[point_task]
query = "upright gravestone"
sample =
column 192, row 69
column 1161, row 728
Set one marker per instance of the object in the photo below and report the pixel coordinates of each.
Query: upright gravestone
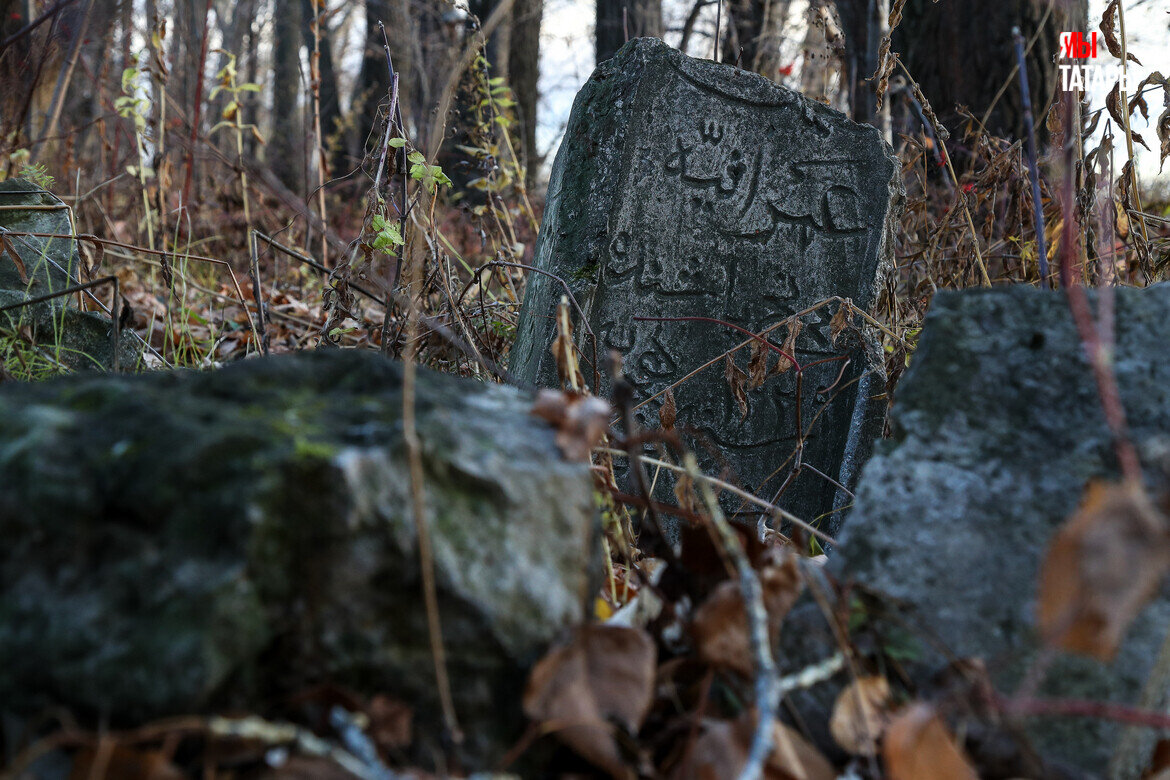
column 38, row 257
column 686, row 188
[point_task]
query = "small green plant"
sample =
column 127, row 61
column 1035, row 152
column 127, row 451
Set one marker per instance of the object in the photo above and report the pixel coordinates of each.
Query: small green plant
column 37, row 173
column 233, row 119
column 386, row 234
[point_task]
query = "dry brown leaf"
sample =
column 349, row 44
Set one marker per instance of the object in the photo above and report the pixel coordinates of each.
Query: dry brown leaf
column 783, row 363
column 1102, row 567
column 918, row 746
column 604, row 675
column 1163, row 138
column 722, row 749
column 1113, row 104
column 794, row 757
column 684, row 494
column 1162, row 126
column 1107, row 25
column 720, row 625
column 123, row 762
column 860, row 715
column 668, row 411
column 580, row 420
column 6, row 246
column 757, row 364
column 736, row 381
column 841, row 320
column 564, row 350
column 391, row 723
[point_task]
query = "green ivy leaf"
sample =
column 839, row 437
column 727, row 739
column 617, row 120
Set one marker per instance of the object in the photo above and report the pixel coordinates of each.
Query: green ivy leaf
column 397, row 143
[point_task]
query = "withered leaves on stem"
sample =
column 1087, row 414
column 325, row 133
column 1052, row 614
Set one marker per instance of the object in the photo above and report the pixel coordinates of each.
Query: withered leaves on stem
column 783, row 363
column 604, row 675
column 1104, row 564
column 736, row 380
column 841, row 320
column 668, row 411
column 1107, row 24
column 580, row 420
column 757, row 365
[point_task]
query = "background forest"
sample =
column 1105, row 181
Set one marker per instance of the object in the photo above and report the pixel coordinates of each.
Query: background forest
column 179, row 128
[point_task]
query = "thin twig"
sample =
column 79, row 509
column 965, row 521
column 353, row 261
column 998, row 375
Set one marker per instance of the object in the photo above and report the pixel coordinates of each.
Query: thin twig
column 257, row 291
column 1033, row 170
column 432, row 324
column 568, row 293
column 757, row 337
column 1103, row 710
column 1096, row 350
column 28, row 28
column 736, row 491
column 790, row 318
column 767, row 684
column 156, row 252
column 954, row 179
column 418, row 511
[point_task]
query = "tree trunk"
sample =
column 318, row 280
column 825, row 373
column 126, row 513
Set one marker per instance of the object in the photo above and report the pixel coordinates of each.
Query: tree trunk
column 285, row 147
column 616, row 18
column 961, row 52
column 373, row 81
column 523, row 75
column 754, row 31
column 861, row 25
column 330, row 100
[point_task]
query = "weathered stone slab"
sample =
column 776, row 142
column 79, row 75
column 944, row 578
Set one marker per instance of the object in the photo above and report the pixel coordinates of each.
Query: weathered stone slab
column 687, row 188
column 997, row 429
column 49, row 263
column 63, row 333
column 191, row 542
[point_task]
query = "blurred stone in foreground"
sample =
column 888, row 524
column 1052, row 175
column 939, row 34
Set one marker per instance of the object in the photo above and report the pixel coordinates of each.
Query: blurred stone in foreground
column 203, row 542
column 997, row 430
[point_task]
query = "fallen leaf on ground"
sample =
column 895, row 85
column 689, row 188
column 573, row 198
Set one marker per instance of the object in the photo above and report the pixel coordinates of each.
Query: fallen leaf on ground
column 860, row 715
column 123, row 762
column 918, row 746
column 1102, row 567
column 390, row 723
column 604, row 675
column 723, row 746
column 720, row 625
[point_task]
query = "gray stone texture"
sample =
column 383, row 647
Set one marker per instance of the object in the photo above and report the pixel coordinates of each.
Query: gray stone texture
column 688, row 188
column 997, row 428
column 64, row 333
column 188, row 542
